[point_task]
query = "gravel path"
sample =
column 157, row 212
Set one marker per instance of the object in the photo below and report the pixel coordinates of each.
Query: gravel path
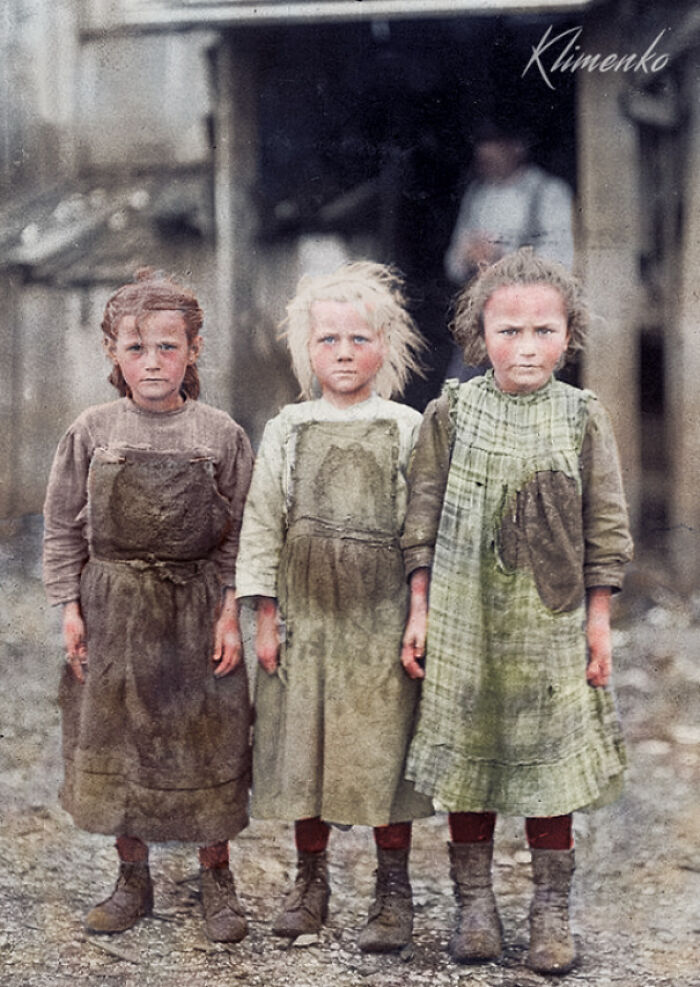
column 636, row 901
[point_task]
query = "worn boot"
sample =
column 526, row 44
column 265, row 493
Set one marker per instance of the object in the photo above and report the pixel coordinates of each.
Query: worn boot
column 306, row 906
column 390, row 917
column 478, row 934
column 551, row 944
column 131, row 899
column 224, row 920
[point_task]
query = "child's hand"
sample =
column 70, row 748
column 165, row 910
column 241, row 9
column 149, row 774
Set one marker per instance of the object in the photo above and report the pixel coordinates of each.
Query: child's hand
column 413, row 644
column 74, row 639
column 227, row 637
column 267, row 639
column 598, row 637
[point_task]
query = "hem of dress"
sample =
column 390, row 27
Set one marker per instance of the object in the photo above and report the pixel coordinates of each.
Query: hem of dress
column 164, row 834
column 289, row 815
column 202, row 816
column 609, row 794
column 601, row 789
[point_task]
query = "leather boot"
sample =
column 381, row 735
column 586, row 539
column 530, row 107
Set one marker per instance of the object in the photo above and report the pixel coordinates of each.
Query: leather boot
column 477, row 937
column 551, row 944
column 224, row 920
column 131, row 899
column 390, row 917
column 306, row 906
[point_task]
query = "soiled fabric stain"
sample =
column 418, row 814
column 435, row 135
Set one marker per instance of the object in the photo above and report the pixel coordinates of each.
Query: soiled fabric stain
column 507, row 721
column 167, row 501
column 155, row 746
column 333, row 725
column 542, row 531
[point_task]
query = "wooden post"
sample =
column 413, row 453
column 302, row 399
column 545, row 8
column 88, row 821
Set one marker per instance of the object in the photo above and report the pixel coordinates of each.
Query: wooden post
column 607, row 199
column 9, row 395
column 235, row 160
column 683, row 359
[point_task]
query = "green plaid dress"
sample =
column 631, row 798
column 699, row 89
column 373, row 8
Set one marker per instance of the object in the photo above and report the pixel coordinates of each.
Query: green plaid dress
column 507, row 720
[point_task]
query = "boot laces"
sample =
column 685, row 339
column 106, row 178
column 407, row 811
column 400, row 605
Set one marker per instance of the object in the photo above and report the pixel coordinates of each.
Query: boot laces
column 310, row 880
column 222, row 891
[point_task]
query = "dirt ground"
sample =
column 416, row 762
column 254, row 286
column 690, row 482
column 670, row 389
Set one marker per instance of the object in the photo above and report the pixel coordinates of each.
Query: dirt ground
column 636, row 900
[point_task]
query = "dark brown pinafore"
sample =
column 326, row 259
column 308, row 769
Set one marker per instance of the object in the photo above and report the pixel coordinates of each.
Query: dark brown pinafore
column 154, row 745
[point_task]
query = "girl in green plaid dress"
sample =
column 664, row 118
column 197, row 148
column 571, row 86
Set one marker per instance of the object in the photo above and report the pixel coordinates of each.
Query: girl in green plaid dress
column 517, row 524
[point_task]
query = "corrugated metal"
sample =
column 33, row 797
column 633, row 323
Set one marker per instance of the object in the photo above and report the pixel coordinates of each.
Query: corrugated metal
column 91, row 232
column 100, row 15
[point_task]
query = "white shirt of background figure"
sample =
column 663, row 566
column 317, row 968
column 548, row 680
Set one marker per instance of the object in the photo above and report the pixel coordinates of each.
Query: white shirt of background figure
column 509, row 204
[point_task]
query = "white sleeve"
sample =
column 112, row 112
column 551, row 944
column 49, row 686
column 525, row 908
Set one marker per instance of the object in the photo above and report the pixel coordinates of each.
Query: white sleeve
column 264, row 518
column 556, row 222
column 455, row 265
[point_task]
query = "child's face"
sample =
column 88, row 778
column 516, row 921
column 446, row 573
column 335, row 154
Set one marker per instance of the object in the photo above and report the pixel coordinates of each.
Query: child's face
column 154, row 358
column 345, row 352
column 526, row 334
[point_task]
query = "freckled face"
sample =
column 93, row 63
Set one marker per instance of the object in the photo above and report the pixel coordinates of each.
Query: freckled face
column 346, row 353
column 526, row 335
column 154, row 358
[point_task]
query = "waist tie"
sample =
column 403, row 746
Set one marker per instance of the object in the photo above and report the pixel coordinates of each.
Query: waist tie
column 329, row 529
column 168, row 570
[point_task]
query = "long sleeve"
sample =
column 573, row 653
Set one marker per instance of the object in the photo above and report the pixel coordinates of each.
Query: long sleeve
column 556, row 239
column 233, row 480
column 427, row 479
column 196, row 428
column 607, row 541
column 264, row 519
column 456, row 266
column 65, row 542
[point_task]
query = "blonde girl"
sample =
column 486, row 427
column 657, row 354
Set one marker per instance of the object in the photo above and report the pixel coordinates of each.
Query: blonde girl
column 320, row 556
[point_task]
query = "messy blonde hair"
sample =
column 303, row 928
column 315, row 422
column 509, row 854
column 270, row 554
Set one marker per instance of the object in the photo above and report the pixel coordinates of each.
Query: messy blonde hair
column 522, row 267
column 152, row 291
column 376, row 293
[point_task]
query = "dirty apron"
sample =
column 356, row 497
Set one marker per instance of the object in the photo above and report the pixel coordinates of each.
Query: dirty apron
column 154, row 745
column 508, row 721
column 333, row 724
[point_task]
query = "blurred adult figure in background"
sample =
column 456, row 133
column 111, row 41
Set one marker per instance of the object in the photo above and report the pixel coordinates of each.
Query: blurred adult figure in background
column 508, row 203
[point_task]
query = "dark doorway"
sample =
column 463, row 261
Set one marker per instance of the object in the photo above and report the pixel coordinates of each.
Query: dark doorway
column 365, row 129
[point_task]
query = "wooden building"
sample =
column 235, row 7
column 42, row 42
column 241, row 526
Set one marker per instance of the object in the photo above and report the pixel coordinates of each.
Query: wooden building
column 341, row 127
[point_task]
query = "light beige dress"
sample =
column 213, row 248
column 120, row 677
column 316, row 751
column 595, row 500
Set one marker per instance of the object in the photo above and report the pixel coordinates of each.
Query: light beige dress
column 321, row 534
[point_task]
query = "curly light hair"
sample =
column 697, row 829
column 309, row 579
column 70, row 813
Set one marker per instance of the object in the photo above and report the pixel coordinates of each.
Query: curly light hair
column 152, row 291
column 522, row 267
column 376, row 292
